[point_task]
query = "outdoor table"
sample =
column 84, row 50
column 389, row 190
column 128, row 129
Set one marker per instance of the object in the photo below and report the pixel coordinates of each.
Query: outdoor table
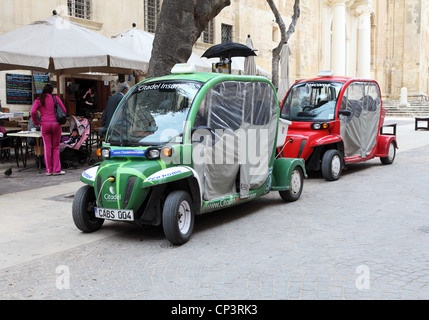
column 5, row 115
column 421, row 126
column 13, row 129
column 38, row 148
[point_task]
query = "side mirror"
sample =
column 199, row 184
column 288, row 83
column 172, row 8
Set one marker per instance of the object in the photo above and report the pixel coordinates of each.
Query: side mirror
column 345, row 113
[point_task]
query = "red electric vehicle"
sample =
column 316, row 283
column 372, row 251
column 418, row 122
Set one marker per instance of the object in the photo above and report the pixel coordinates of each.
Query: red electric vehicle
column 336, row 121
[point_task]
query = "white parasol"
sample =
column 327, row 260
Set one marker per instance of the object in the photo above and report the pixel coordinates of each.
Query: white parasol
column 57, row 45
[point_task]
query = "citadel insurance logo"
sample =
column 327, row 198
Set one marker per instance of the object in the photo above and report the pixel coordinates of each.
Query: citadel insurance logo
column 112, row 196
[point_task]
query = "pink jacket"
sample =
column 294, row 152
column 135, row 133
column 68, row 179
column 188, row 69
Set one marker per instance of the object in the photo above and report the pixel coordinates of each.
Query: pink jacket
column 47, row 111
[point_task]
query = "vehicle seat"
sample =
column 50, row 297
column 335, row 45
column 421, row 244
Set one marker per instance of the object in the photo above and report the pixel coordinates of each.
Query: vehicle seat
column 322, row 99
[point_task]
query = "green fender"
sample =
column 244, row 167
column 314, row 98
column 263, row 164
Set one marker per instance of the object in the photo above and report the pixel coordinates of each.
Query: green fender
column 282, row 172
column 88, row 176
column 168, row 175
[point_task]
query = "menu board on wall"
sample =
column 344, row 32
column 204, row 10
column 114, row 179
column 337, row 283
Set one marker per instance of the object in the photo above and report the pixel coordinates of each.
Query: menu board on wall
column 18, row 89
column 40, row 80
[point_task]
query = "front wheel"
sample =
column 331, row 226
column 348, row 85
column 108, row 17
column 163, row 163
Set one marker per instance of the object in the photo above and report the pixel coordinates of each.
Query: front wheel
column 83, row 210
column 391, row 156
column 178, row 217
column 296, row 186
column 332, row 165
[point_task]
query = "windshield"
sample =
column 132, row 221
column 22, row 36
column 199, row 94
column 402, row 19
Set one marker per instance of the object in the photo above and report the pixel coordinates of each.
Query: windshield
column 312, row 101
column 153, row 113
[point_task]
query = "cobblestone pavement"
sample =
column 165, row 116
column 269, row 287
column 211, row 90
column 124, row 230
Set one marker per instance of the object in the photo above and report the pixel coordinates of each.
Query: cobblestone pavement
column 362, row 237
column 29, row 178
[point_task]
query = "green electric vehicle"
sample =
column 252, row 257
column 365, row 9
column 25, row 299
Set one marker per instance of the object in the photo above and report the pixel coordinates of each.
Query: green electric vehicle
column 187, row 144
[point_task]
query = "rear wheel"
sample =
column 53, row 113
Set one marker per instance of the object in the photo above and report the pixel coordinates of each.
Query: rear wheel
column 66, row 164
column 178, row 217
column 332, row 165
column 391, row 156
column 83, row 210
column 296, row 186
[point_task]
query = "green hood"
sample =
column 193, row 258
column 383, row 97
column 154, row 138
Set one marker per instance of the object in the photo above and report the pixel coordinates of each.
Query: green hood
column 125, row 192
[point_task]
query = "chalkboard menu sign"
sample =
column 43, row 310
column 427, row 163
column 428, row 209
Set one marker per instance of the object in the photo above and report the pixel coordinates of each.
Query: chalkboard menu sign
column 40, row 80
column 19, row 89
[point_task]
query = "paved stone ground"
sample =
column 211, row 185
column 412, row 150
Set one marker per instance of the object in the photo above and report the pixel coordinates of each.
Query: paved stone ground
column 30, row 178
column 362, row 237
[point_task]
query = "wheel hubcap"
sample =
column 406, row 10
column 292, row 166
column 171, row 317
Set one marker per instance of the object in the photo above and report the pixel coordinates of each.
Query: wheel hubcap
column 336, row 166
column 184, row 217
column 295, row 182
column 391, row 152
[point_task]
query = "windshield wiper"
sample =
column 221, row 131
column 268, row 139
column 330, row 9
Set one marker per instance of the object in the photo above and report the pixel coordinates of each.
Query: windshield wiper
column 306, row 114
column 123, row 143
column 150, row 143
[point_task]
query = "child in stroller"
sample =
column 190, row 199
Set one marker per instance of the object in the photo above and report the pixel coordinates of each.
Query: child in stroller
column 74, row 148
column 74, row 138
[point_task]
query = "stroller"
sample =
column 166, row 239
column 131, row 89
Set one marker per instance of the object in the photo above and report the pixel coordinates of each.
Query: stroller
column 80, row 152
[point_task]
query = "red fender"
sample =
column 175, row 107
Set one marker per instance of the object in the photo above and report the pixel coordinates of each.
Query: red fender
column 383, row 145
column 325, row 140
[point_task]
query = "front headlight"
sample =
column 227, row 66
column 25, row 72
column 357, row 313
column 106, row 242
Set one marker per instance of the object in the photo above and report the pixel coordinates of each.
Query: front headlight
column 153, row 154
column 105, row 153
column 316, row 126
column 320, row 126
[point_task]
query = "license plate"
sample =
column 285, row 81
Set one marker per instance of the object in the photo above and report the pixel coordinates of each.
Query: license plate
column 114, row 214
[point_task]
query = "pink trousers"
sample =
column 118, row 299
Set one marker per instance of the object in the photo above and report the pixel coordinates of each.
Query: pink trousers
column 51, row 134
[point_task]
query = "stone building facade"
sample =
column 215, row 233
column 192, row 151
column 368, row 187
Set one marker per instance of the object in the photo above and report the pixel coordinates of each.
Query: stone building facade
column 381, row 39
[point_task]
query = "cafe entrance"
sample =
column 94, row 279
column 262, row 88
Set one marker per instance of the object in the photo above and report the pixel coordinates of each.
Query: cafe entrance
column 75, row 89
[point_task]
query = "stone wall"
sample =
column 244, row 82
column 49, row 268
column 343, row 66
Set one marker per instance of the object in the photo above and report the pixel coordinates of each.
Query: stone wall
column 399, row 34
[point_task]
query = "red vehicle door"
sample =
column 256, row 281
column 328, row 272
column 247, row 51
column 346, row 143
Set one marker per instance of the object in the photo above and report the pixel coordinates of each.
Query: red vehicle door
column 360, row 130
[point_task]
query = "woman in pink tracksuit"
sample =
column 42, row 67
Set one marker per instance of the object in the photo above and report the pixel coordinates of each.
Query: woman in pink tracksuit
column 51, row 129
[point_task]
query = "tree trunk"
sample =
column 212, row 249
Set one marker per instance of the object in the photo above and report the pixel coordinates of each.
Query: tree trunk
column 285, row 35
column 179, row 27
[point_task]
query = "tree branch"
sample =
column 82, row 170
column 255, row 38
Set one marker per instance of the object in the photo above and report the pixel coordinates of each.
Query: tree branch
column 285, row 35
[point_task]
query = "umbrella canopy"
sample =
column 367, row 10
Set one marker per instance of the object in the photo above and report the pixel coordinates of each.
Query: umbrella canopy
column 141, row 42
column 249, row 62
column 61, row 46
column 229, row 50
column 136, row 40
column 237, row 67
column 284, row 72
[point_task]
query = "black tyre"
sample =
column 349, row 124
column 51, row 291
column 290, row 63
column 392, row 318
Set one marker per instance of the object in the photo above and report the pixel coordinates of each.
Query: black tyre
column 332, row 165
column 178, row 217
column 83, row 210
column 66, row 164
column 392, row 154
column 296, row 186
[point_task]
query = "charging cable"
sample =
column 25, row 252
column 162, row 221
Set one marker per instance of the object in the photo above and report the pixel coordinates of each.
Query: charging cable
column 110, row 179
column 284, row 146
